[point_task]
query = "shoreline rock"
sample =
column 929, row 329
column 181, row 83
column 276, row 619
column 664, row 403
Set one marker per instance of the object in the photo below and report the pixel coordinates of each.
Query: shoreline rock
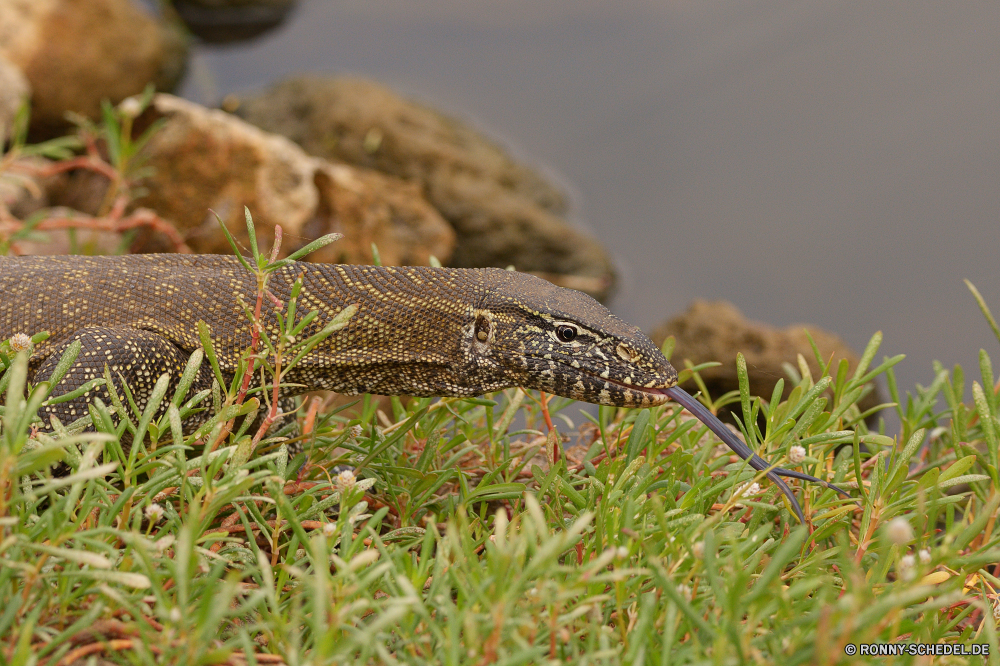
column 76, row 53
column 206, row 159
column 717, row 330
column 502, row 212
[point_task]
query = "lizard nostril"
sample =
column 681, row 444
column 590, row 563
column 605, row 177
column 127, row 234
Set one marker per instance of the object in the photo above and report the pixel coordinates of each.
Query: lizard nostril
column 627, row 353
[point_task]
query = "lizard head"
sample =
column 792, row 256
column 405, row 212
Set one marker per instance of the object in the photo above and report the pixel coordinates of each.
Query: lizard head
column 563, row 341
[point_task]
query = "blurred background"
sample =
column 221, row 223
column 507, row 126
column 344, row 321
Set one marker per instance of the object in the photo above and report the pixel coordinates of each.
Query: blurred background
column 836, row 164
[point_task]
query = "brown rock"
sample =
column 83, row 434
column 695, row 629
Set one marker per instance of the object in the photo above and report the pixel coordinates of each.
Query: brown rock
column 716, row 331
column 371, row 208
column 225, row 21
column 75, row 53
column 503, row 213
column 205, row 159
column 364, row 123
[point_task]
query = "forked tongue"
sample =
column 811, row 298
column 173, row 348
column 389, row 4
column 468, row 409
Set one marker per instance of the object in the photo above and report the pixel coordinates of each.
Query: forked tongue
column 686, row 400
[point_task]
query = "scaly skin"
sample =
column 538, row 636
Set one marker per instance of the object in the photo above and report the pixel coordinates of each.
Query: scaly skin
column 418, row 331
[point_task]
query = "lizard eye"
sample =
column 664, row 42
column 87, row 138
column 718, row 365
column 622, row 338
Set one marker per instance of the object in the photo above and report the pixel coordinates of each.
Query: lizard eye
column 566, row 333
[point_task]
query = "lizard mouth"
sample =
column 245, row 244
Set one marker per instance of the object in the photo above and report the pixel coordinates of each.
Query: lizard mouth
column 657, row 394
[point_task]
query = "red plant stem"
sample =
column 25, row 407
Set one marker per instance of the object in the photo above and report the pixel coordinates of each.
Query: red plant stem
column 114, row 645
column 277, row 243
column 274, row 524
column 248, row 372
column 544, row 398
column 140, row 217
column 314, row 406
column 90, row 163
column 865, row 541
column 254, row 345
column 272, row 413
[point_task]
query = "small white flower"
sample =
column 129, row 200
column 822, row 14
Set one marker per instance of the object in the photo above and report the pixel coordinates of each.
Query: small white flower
column 684, row 591
column 175, row 614
column 20, row 342
column 698, row 549
column 748, row 490
column 130, row 107
column 154, row 512
column 796, row 454
column 907, row 567
column 346, row 480
column 329, row 529
column 899, row 531
column 621, row 553
column 925, row 556
column 356, row 431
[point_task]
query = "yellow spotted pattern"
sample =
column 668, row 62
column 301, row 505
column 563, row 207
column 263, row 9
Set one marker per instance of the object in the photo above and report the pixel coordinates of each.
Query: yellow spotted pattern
column 418, row 331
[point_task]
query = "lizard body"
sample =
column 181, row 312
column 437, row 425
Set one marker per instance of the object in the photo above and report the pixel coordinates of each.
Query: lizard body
column 418, row 331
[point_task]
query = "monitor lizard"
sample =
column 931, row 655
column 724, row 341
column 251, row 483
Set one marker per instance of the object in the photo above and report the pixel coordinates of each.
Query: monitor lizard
column 419, row 331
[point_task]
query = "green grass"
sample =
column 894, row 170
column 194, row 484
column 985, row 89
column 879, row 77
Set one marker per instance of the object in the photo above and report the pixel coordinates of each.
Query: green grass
column 463, row 542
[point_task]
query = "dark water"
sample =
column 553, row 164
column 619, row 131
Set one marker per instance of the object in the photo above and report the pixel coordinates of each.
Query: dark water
column 830, row 163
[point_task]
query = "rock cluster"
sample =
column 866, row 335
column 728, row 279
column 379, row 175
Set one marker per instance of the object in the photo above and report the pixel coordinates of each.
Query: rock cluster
column 503, row 213
column 205, row 160
column 378, row 168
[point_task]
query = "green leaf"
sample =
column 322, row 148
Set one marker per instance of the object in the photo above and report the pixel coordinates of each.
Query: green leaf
column 496, row 492
column 986, row 418
column 958, row 468
column 251, row 233
column 866, row 357
column 985, row 309
column 205, row 335
column 637, row 438
column 310, row 248
column 232, row 243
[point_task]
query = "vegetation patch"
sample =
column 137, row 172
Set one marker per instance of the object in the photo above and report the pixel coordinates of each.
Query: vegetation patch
column 475, row 531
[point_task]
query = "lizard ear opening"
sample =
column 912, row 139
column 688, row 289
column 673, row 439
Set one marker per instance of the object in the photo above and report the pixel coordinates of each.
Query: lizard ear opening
column 483, row 328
